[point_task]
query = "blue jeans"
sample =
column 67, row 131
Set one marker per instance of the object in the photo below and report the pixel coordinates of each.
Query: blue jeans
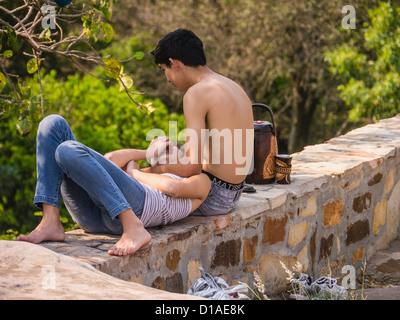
column 219, row 201
column 95, row 190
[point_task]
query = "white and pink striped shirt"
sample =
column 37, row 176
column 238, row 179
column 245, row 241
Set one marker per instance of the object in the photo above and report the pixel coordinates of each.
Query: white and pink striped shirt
column 160, row 209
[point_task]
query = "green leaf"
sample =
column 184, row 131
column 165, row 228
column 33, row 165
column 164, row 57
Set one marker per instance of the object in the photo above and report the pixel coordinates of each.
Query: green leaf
column 45, row 34
column 24, row 124
column 139, row 55
column 3, row 81
column 128, row 82
column 32, row 66
column 95, row 33
column 86, row 21
column 108, row 32
column 11, row 37
column 7, row 54
column 112, row 68
column 107, row 11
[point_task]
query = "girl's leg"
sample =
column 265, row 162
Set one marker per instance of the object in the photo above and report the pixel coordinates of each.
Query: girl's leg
column 52, row 131
column 109, row 187
column 134, row 236
column 84, row 211
column 49, row 229
column 114, row 192
column 93, row 217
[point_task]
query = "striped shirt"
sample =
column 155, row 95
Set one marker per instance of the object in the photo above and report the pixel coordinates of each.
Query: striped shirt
column 160, row 209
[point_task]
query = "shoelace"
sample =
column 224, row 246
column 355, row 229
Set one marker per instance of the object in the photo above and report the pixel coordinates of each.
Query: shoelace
column 216, row 288
column 324, row 283
column 330, row 282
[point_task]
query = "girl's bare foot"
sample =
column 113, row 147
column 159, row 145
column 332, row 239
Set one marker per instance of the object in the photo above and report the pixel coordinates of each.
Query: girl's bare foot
column 130, row 243
column 133, row 237
column 49, row 229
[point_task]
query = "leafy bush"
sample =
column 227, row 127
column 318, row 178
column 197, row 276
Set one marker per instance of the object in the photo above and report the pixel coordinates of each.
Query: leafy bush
column 101, row 117
column 371, row 77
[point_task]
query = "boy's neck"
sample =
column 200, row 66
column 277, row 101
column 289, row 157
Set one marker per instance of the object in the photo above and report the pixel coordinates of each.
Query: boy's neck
column 196, row 74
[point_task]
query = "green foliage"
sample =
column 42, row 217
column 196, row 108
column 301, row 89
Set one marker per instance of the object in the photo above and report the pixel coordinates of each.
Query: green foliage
column 3, row 81
column 100, row 116
column 273, row 49
column 22, row 34
column 17, row 175
column 370, row 76
column 9, row 235
column 92, row 26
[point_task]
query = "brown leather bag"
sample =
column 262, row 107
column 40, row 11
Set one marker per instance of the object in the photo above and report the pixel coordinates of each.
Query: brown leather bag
column 265, row 150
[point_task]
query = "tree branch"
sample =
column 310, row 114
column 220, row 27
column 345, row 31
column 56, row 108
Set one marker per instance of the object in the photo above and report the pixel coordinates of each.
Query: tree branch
column 40, row 83
column 25, row 21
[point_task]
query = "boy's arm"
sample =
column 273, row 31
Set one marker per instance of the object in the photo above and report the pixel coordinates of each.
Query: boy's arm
column 195, row 115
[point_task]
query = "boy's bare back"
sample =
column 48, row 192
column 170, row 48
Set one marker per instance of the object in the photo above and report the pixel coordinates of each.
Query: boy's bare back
column 227, row 113
column 218, row 113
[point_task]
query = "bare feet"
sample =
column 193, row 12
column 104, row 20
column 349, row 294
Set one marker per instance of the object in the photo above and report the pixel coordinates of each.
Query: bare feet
column 129, row 244
column 134, row 236
column 49, row 229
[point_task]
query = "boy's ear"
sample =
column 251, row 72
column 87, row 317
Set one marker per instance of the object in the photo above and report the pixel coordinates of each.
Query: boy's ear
column 171, row 61
column 175, row 63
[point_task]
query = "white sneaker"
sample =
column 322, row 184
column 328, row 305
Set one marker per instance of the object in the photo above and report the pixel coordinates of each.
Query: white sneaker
column 301, row 287
column 327, row 288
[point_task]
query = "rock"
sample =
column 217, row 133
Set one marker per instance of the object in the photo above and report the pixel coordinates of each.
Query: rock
column 29, row 271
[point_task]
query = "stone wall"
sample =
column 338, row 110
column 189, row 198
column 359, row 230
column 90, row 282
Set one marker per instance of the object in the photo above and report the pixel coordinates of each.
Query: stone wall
column 342, row 206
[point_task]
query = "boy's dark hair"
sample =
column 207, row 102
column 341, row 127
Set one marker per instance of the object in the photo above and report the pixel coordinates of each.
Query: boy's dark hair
column 182, row 45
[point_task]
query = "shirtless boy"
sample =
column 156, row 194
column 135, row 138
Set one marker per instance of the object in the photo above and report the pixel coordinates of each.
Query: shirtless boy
column 212, row 103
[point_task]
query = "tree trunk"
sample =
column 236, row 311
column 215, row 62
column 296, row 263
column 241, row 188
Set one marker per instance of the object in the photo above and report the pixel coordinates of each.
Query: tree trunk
column 304, row 106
